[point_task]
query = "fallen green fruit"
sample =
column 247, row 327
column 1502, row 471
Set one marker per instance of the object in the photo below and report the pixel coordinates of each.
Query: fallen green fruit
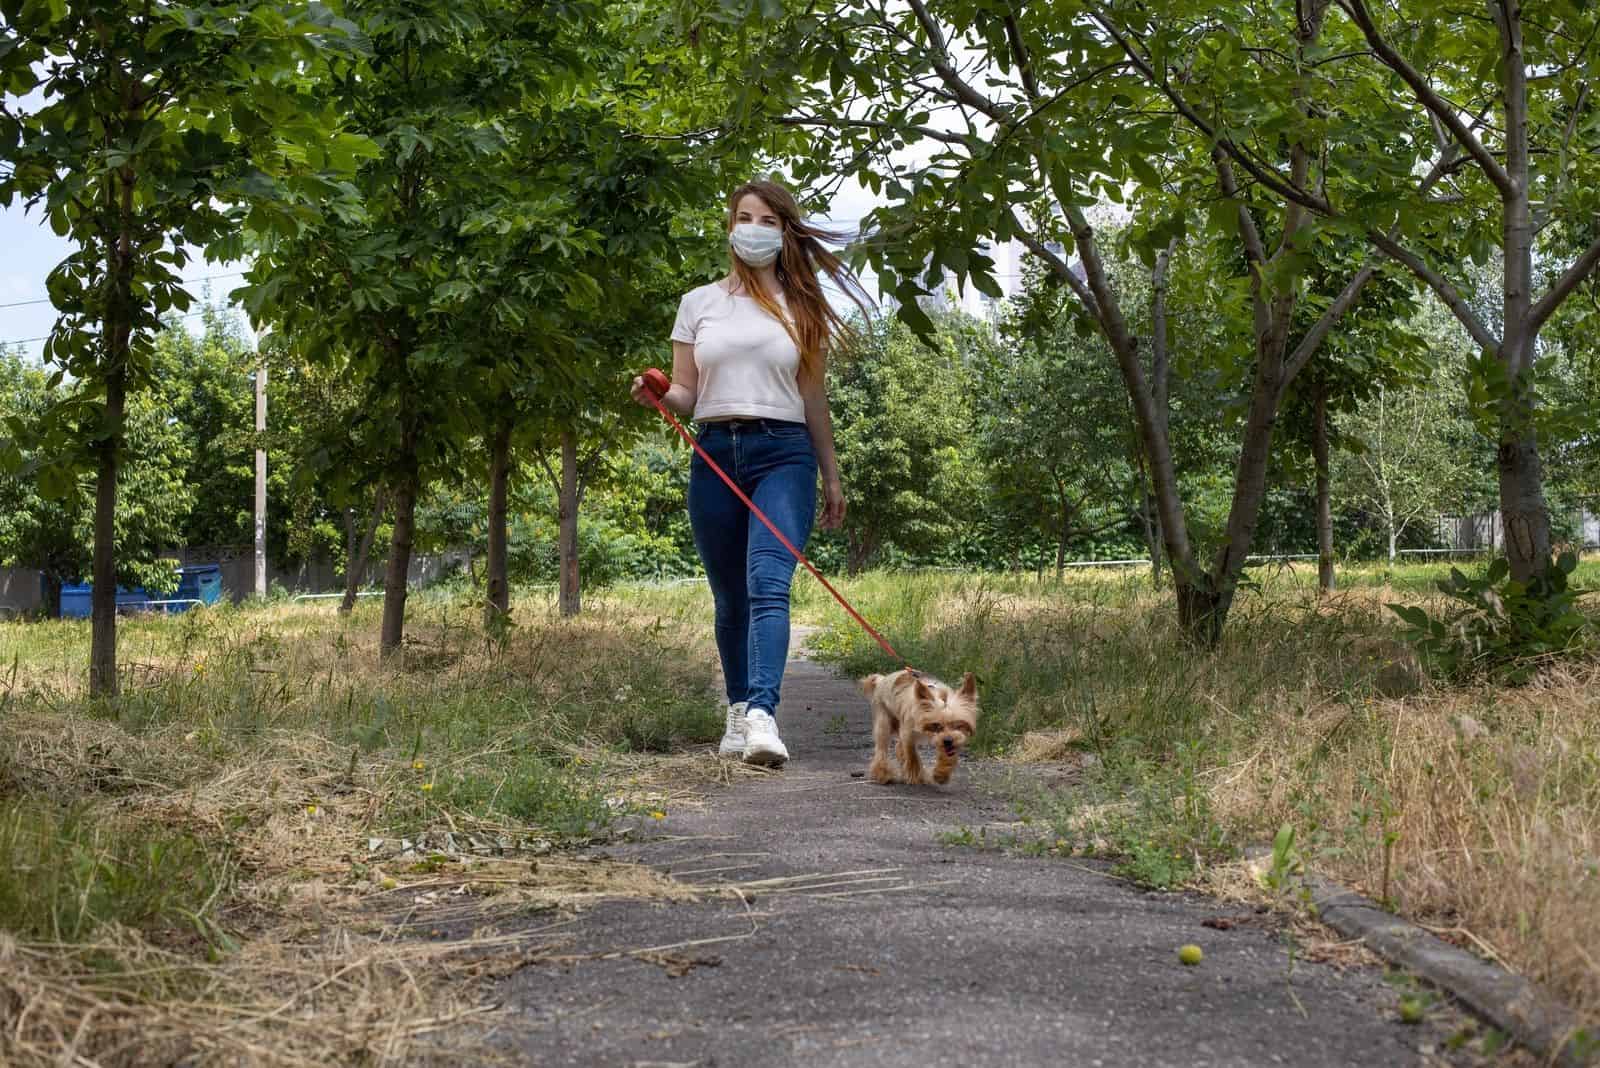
column 1410, row 1010
column 1190, row 954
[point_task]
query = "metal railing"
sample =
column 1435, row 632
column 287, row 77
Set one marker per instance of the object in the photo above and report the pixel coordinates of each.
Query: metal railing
column 1480, row 550
column 326, row 596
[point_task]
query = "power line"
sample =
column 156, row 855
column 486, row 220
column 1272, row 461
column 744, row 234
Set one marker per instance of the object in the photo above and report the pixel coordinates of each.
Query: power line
column 46, row 337
column 185, row 281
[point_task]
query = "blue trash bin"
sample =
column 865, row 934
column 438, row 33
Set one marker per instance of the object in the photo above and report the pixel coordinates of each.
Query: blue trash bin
column 75, row 600
column 198, row 582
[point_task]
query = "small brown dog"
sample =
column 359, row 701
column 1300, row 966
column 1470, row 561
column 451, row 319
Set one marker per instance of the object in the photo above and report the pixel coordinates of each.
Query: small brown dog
column 907, row 706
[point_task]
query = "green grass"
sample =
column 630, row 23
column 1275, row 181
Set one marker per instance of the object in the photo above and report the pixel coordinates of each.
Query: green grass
column 69, row 870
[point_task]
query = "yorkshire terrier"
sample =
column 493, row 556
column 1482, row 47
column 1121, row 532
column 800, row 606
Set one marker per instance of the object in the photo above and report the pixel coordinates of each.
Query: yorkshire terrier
column 909, row 706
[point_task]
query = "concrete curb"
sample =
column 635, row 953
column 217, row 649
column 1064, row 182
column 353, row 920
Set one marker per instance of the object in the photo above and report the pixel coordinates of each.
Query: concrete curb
column 1510, row 1002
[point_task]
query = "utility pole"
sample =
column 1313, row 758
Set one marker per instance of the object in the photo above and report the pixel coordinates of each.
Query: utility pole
column 261, row 481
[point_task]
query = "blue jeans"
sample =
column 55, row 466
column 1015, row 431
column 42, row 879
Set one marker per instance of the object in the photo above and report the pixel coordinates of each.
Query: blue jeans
column 749, row 570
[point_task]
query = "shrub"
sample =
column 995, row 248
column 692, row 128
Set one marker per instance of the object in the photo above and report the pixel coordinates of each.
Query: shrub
column 1500, row 626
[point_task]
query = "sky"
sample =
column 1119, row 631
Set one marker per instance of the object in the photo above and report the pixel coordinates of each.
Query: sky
column 29, row 251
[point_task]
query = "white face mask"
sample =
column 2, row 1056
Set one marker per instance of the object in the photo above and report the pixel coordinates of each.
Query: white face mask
column 755, row 244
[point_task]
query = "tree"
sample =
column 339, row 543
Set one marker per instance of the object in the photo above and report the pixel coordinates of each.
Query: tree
column 1058, row 439
column 55, row 532
column 904, row 429
column 1377, row 349
column 1404, row 464
column 151, row 122
column 211, row 402
column 633, row 195
column 1498, row 111
column 390, row 290
column 1033, row 101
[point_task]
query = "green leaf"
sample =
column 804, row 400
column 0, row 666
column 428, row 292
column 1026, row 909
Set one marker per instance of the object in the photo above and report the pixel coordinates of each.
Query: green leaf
column 1410, row 614
column 1142, row 170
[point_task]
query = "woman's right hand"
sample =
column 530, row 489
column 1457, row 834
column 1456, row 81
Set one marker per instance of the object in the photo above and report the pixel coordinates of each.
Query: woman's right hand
column 641, row 393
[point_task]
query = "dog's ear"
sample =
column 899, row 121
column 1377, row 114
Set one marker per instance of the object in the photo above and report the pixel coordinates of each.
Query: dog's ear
column 870, row 683
column 923, row 693
column 969, row 685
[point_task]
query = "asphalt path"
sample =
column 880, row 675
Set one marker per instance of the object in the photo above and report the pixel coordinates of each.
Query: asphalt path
column 866, row 941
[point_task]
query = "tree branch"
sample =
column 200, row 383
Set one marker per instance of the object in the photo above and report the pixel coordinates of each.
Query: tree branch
column 1253, row 247
column 1440, row 285
column 948, row 74
column 1060, row 267
column 1319, row 331
column 1014, row 37
column 1262, row 174
column 1562, row 288
column 1427, row 97
column 1159, row 356
column 555, row 478
column 946, row 136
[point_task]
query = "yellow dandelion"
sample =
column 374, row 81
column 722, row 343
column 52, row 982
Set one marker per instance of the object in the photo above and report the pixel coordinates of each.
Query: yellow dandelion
column 658, row 815
column 418, row 765
column 311, row 810
column 426, row 787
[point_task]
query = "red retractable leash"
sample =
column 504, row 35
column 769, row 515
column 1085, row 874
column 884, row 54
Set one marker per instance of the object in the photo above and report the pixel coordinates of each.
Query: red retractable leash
column 657, row 384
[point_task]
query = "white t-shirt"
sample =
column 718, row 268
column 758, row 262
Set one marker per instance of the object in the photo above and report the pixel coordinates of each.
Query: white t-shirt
column 747, row 363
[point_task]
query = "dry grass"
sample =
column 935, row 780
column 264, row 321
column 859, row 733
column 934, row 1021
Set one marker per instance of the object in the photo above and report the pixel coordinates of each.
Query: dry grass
column 378, row 838
column 1475, row 810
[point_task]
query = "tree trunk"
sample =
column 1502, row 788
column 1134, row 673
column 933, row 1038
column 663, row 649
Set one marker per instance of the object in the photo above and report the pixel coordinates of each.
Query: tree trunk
column 498, row 601
column 1523, row 513
column 103, row 603
column 1394, row 537
column 1201, row 610
column 351, row 540
column 394, row 582
column 1525, row 517
column 1061, row 544
column 1319, row 451
column 1213, row 594
column 1152, row 535
column 355, row 564
column 858, row 550
column 571, row 600
column 50, row 590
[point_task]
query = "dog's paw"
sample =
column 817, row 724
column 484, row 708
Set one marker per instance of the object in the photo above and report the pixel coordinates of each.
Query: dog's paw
column 880, row 772
column 943, row 770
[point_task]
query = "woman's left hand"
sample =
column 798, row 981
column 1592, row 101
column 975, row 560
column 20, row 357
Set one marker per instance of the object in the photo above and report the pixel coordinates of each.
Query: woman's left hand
column 832, row 503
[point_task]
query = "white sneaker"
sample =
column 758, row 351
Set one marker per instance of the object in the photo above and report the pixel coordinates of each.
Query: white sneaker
column 733, row 734
column 761, row 742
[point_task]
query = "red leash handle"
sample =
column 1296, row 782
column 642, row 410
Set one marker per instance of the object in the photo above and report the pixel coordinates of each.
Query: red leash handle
column 657, row 385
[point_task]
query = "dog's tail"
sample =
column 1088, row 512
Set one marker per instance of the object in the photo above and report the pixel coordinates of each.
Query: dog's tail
column 870, row 683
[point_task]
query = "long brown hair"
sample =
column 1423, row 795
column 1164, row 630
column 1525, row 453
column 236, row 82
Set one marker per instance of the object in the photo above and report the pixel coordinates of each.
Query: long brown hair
column 812, row 320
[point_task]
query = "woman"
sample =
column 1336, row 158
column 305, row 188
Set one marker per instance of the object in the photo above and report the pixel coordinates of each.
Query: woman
column 748, row 362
